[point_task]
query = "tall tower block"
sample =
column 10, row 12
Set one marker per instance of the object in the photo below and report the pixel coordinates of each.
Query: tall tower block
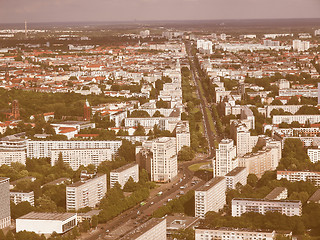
column 15, row 109
column 86, row 111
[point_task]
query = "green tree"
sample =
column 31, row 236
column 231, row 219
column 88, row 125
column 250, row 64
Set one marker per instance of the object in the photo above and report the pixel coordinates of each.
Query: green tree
column 94, row 221
column 45, row 204
column 186, row 154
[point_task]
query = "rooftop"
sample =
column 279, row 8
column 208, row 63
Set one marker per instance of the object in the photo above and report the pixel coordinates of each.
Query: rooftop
column 265, row 200
column 125, row 167
column 48, row 216
column 315, row 197
column 79, row 183
column 275, row 193
column 210, row 184
column 235, row 171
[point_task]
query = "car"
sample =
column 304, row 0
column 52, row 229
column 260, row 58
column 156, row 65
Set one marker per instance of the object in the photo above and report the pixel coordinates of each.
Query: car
column 170, row 199
column 151, row 203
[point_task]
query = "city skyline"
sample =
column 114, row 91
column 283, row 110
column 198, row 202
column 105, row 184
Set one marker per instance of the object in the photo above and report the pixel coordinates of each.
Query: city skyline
column 154, row 10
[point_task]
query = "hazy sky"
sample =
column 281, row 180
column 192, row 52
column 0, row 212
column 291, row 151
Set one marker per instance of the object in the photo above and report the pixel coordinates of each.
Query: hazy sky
column 14, row 11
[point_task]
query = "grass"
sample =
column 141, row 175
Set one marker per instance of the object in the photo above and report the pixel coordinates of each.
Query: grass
column 196, row 167
column 211, row 123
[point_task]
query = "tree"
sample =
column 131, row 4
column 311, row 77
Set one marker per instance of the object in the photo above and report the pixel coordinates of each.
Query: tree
column 9, row 235
column 252, row 180
column 45, row 204
column 85, row 226
column 140, row 131
column 94, row 221
column 157, row 114
column 186, row 154
column 162, row 104
column 127, row 151
column 130, row 185
column 20, row 209
column 276, row 102
column 2, row 236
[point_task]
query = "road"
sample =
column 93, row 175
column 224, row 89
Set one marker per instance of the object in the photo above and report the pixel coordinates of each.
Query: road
column 203, row 104
column 129, row 219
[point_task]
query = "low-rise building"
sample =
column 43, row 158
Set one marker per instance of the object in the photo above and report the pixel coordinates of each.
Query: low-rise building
column 86, row 193
column 315, row 197
column 18, row 197
column 210, row 197
column 237, row 175
column 278, row 193
column 296, row 176
column 244, row 205
column 46, row 223
column 154, row 229
column 232, row 233
column 122, row 174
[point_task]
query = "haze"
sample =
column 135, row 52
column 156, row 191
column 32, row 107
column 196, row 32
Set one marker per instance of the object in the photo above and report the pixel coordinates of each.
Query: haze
column 15, row 11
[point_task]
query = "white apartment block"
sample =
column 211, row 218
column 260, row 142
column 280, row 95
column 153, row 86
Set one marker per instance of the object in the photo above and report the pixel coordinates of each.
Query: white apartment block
column 302, row 119
column 287, row 108
column 163, row 123
column 260, row 162
column 296, row 176
column 210, row 197
column 237, row 175
column 231, row 233
column 164, row 166
column 5, row 217
column 306, row 92
column 299, row 45
column 182, row 135
column 8, row 157
column 204, row 45
column 314, row 154
column 226, row 158
column 122, row 174
column 154, row 229
column 86, row 193
column 42, row 149
column 18, row 197
column 81, row 156
column 286, row 207
column 247, row 114
column 46, row 223
column 244, row 141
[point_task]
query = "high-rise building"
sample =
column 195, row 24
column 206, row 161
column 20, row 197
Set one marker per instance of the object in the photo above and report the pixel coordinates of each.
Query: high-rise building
column 159, row 156
column 86, row 193
column 237, row 175
column 5, row 217
column 182, row 135
column 122, row 174
column 226, row 158
column 245, row 142
column 299, row 45
column 210, row 197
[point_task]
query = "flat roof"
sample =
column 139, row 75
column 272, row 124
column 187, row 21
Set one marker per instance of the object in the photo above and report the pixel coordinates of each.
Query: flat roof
column 120, row 169
column 4, row 179
column 265, row 200
column 234, row 229
column 79, row 183
column 275, row 193
column 48, row 216
column 315, row 197
column 210, row 184
column 235, row 171
column 142, row 229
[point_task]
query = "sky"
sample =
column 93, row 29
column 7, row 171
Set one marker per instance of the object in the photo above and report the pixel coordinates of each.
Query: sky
column 17, row 11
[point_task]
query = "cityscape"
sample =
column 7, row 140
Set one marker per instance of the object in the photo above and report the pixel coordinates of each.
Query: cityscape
column 159, row 127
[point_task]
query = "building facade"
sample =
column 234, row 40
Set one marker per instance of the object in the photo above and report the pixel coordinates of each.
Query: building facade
column 286, row 207
column 5, row 217
column 226, row 158
column 18, row 197
column 235, row 176
column 86, row 193
column 296, row 176
column 210, row 197
column 122, row 174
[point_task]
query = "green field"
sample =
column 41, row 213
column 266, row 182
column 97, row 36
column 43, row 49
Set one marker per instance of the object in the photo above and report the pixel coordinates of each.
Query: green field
column 196, row 167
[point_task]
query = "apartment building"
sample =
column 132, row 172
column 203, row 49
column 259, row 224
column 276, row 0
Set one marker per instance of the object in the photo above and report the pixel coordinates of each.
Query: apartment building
column 86, row 193
column 244, row 141
column 5, row 217
column 226, row 158
column 244, row 205
column 235, row 176
column 154, row 229
column 159, row 158
column 18, row 197
column 182, row 135
column 300, row 46
column 232, row 233
column 81, row 156
column 42, row 149
column 277, row 193
column 296, row 176
column 302, row 119
column 210, row 197
column 122, row 174
column 9, row 156
column 259, row 162
column 314, row 154
column 287, row 108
